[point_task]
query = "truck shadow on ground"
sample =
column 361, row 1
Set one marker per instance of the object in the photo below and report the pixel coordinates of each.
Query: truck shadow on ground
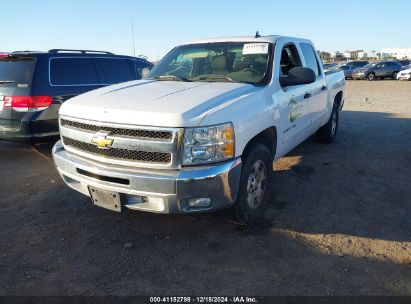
column 339, row 224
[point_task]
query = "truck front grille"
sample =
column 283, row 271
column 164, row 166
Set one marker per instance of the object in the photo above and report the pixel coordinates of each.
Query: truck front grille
column 130, row 145
column 139, row 133
column 124, row 154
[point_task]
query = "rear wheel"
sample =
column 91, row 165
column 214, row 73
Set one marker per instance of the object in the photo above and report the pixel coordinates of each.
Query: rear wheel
column 255, row 185
column 371, row 76
column 328, row 132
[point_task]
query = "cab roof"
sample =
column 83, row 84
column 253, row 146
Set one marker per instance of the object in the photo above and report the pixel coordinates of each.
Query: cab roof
column 269, row 39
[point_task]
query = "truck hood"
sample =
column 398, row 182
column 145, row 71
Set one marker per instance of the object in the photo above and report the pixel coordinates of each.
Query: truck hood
column 154, row 103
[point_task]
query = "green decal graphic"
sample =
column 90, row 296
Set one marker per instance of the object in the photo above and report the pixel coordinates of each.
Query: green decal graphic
column 295, row 109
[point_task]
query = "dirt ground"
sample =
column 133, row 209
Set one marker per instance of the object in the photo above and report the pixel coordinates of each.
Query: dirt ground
column 339, row 223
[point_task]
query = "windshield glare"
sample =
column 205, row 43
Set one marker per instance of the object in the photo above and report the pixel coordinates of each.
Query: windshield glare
column 221, row 62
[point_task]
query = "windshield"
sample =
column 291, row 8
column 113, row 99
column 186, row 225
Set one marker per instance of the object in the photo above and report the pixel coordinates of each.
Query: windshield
column 216, row 62
column 16, row 71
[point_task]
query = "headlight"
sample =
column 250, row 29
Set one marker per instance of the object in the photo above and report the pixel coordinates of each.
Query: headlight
column 208, row 144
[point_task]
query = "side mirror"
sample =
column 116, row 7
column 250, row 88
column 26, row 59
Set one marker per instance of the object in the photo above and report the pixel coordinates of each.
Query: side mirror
column 297, row 76
column 144, row 72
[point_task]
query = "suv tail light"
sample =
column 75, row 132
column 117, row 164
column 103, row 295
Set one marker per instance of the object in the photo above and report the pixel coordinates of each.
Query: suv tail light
column 27, row 103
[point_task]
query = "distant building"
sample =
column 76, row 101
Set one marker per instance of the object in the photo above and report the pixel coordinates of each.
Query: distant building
column 396, row 53
column 347, row 55
column 362, row 54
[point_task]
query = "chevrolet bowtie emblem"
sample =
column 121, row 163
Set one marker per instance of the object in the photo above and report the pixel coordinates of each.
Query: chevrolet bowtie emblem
column 101, row 141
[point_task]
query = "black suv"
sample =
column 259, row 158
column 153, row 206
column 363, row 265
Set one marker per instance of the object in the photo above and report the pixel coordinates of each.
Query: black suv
column 33, row 85
column 380, row 69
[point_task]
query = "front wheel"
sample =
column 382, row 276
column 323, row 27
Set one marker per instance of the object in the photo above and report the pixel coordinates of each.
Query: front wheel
column 255, row 185
column 328, row 132
column 371, row 76
column 394, row 75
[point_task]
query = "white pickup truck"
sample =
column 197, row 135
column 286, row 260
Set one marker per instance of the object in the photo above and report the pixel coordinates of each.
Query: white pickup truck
column 201, row 131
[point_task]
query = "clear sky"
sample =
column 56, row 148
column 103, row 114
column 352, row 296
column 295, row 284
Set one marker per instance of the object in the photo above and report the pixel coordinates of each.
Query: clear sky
column 160, row 24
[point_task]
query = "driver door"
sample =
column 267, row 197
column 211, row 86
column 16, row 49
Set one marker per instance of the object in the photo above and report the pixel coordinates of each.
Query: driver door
column 380, row 70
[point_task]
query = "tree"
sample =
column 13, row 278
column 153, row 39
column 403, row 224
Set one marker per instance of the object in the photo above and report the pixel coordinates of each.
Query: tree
column 324, row 56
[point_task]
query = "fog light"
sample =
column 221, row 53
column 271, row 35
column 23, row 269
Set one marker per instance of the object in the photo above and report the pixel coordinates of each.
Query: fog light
column 199, row 202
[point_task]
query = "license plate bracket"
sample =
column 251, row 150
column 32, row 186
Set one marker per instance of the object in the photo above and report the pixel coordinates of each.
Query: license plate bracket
column 105, row 199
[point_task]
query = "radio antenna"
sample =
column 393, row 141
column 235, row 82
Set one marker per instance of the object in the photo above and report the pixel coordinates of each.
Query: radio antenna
column 132, row 33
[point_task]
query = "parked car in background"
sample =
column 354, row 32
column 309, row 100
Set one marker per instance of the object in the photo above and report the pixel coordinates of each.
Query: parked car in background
column 33, row 85
column 347, row 69
column 404, row 62
column 201, row 132
column 379, row 69
column 328, row 66
column 357, row 63
column 405, row 74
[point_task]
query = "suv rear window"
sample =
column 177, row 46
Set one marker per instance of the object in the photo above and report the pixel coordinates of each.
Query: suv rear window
column 115, row 70
column 14, row 71
column 72, row 71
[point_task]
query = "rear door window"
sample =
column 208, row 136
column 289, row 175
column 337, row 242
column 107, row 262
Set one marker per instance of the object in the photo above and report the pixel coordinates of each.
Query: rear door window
column 114, row 70
column 310, row 58
column 16, row 71
column 72, row 72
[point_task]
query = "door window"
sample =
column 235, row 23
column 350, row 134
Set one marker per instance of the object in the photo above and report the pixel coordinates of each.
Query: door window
column 310, row 58
column 115, row 70
column 289, row 59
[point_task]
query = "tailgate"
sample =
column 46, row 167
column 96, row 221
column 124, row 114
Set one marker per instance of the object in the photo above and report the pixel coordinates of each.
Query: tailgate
column 16, row 75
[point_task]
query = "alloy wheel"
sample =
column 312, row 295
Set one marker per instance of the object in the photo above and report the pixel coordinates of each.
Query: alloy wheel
column 256, row 184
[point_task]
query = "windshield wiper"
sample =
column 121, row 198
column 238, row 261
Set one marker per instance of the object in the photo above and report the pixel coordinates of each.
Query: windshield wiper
column 213, row 77
column 7, row 81
column 169, row 77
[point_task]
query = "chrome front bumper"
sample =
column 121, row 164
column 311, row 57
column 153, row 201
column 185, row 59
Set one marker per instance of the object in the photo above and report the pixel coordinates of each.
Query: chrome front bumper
column 161, row 191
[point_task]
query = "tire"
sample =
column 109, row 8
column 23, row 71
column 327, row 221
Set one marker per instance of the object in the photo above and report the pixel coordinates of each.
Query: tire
column 371, row 76
column 394, row 75
column 255, row 185
column 328, row 132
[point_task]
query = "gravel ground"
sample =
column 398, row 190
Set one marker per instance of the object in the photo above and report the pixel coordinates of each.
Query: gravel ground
column 339, row 223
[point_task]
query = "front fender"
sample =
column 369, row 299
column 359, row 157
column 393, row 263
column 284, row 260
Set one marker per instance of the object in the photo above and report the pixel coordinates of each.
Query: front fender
column 250, row 114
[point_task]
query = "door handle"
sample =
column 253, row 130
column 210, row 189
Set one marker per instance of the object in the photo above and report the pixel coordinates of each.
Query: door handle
column 307, row 95
column 323, row 88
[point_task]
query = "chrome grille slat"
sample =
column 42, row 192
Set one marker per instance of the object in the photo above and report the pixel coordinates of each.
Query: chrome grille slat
column 156, row 157
column 139, row 133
